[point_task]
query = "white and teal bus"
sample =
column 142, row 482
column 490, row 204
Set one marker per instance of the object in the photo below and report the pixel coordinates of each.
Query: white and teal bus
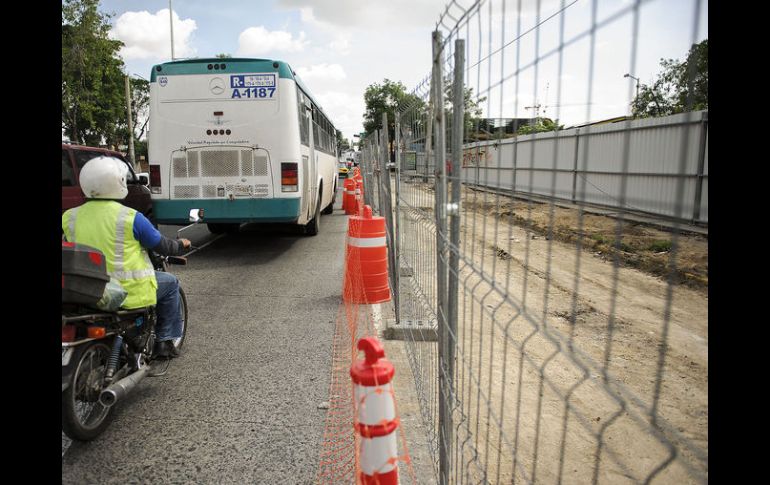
column 242, row 139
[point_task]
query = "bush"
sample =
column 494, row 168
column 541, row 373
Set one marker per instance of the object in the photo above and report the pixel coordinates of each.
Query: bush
column 660, row 246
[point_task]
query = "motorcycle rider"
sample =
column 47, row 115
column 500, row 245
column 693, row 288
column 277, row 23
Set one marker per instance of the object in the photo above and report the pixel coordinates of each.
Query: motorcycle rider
column 123, row 234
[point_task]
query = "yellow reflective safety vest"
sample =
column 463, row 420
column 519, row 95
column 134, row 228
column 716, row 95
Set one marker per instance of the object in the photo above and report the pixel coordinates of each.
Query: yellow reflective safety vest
column 108, row 226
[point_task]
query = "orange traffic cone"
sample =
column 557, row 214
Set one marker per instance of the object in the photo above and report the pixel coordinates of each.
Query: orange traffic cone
column 376, row 420
column 366, row 272
column 349, row 196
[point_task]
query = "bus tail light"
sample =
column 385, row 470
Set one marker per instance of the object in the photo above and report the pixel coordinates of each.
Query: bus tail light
column 155, row 179
column 289, row 177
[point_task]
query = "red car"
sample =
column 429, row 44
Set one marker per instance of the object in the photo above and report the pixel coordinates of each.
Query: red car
column 73, row 157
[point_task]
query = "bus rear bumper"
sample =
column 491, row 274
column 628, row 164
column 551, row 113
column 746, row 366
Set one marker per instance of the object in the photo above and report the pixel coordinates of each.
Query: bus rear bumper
column 223, row 210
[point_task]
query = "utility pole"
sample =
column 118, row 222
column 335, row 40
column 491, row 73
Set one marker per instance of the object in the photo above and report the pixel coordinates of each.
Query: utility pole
column 171, row 23
column 130, row 124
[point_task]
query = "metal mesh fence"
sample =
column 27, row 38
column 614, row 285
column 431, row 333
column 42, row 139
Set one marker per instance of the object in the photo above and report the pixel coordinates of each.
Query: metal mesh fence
column 552, row 339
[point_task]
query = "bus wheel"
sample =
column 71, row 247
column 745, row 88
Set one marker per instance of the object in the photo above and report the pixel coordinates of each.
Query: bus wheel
column 312, row 227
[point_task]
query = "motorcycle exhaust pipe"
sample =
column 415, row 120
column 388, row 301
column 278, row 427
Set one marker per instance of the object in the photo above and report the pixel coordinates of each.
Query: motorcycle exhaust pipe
column 118, row 390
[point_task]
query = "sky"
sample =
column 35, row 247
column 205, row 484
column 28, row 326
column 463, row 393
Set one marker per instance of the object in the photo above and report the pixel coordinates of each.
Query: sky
column 339, row 47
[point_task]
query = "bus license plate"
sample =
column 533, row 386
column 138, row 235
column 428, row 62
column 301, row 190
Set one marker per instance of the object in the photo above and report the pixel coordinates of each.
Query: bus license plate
column 242, row 190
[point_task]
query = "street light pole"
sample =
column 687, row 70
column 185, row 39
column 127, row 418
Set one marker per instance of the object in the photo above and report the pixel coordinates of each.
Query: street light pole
column 637, row 82
column 171, row 23
column 637, row 86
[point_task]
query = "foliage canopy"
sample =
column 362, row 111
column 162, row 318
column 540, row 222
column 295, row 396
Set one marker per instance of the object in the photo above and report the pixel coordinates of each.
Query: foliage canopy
column 93, row 86
column 680, row 87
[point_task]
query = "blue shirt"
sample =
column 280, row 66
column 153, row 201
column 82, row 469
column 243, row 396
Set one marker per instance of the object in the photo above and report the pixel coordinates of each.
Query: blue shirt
column 145, row 232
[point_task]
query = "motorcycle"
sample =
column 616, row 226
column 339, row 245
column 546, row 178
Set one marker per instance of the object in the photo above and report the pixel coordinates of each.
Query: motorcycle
column 105, row 354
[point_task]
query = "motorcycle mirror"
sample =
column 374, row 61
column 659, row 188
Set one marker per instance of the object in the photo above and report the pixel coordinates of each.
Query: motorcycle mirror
column 143, row 178
column 196, row 215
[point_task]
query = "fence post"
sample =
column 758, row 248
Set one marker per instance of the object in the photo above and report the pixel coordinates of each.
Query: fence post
column 514, row 165
column 575, row 165
column 444, row 415
column 458, row 132
column 375, row 183
column 384, row 156
column 386, row 204
column 701, row 165
column 396, row 234
column 428, row 136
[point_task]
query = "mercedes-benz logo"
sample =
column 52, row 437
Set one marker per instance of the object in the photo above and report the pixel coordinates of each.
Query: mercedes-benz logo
column 217, row 85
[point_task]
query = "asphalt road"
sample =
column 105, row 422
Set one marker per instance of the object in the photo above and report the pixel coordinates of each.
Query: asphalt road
column 241, row 404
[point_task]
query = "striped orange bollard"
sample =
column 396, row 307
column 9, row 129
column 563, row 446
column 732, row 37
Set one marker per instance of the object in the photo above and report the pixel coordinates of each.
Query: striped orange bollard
column 366, row 273
column 376, row 420
column 349, row 196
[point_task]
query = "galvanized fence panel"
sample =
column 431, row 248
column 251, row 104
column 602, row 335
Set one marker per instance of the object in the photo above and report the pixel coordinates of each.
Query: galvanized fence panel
column 386, row 201
column 413, row 271
column 370, row 170
column 547, row 344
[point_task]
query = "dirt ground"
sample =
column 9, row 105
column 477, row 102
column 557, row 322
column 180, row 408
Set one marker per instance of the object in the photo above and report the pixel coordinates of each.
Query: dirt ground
column 639, row 245
column 572, row 368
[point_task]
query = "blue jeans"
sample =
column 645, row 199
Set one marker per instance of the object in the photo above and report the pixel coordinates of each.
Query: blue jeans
column 168, row 308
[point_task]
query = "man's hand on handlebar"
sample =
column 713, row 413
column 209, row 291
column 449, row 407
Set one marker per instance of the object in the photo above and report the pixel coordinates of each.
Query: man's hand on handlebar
column 185, row 243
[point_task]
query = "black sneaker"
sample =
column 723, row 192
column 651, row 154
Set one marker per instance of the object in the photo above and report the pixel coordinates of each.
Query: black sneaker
column 165, row 350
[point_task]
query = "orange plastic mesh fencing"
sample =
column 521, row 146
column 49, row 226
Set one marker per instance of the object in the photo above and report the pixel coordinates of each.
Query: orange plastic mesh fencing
column 339, row 455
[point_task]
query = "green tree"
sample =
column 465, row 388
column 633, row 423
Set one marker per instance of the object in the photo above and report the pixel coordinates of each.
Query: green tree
column 140, row 150
column 342, row 143
column 93, row 86
column 680, row 87
column 471, row 117
column 224, row 56
column 540, row 126
column 387, row 97
column 140, row 104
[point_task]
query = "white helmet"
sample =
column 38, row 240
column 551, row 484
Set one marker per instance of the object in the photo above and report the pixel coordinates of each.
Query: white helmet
column 104, row 178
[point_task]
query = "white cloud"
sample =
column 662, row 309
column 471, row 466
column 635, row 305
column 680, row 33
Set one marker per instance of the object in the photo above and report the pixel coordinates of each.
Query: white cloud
column 148, row 36
column 339, row 101
column 256, row 41
column 345, row 110
column 354, row 14
column 322, row 72
column 395, row 15
column 340, row 45
column 306, row 15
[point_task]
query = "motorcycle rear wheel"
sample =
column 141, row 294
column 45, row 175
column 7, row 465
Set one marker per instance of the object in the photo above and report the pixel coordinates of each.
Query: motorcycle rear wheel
column 83, row 417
